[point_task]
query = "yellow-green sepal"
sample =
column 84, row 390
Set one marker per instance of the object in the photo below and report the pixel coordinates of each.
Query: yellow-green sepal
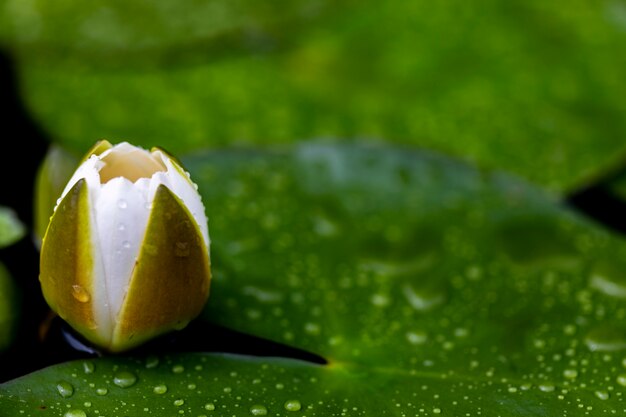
column 67, row 263
column 98, row 148
column 52, row 176
column 170, row 283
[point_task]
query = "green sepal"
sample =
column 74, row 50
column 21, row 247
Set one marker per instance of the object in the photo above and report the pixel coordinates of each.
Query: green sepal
column 52, row 177
column 170, row 282
column 98, row 148
column 67, row 263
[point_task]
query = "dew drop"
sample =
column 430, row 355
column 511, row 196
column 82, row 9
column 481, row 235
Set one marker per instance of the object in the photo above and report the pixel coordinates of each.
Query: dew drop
column 102, row 391
column 209, row 406
column 152, row 362
column 65, row 389
column 608, row 281
column 121, row 227
column 621, row 379
column 89, row 367
column 125, row 379
column 416, row 338
column 606, row 339
column 80, row 294
column 160, row 389
column 126, row 244
column 179, row 402
column 121, row 203
column 182, row 249
column 75, row 413
column 461, row 332
column 178, row 369
column 436, row 410
column 292, row 405
column 603, row 395
column 546, row 387
column 312, row 328
column 380, row 300
column 570, row 373
column 258, row 410
column 423, row 299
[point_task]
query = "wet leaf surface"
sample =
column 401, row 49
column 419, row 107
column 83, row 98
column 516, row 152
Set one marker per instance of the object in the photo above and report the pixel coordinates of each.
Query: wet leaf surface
column 430, row 287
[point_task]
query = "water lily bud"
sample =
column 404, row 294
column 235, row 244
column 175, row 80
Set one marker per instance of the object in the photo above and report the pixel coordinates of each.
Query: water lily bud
column 125, row 256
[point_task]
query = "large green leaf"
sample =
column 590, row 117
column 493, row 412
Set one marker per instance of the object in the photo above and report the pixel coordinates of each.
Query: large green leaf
column 532, row 86
column 429, row 286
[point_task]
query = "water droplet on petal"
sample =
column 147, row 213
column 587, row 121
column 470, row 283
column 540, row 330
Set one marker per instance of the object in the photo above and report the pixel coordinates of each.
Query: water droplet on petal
column 121, row 227
column 292, row 405
column 121, row 203
column 125, row 379
column 65, row 389
column 126, row 244
column 80, row 294
column 182, row 249
column 258, row 410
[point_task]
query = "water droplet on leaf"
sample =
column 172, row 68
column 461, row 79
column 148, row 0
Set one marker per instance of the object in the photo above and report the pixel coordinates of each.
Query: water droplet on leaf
column 89, row 367
column 65, row 389
column 75, row 413
column 125, row 379
column 292, row 405
column 258, row 410
column 160, row 389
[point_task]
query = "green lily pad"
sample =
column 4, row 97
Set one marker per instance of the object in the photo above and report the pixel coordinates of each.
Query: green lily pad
column 528, row 86
column 11, row 229
column 430, row 288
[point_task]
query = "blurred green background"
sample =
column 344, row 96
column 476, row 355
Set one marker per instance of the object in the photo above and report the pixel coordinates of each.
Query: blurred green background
column 533, row 87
